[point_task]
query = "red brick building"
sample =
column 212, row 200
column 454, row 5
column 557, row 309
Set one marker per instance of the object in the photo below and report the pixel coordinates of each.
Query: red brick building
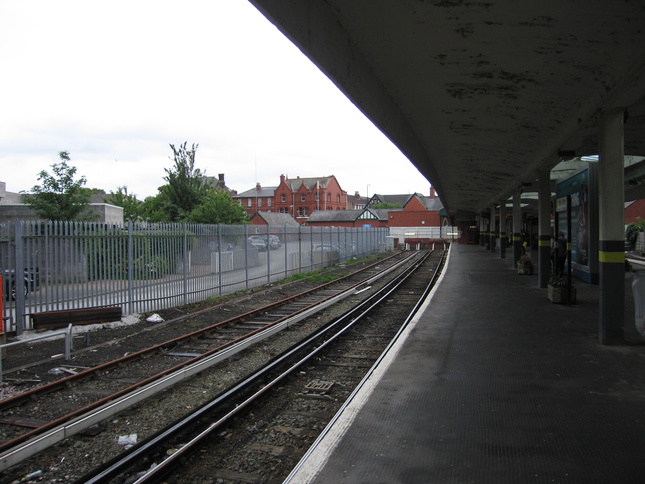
column 634, row 209
column 356, row 202
column 302, row 196
column 257, row 199
column 299, row 197
column 418, row 211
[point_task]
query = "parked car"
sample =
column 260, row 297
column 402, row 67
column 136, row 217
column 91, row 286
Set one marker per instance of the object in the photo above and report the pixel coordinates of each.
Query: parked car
column 258, row 242
column 30, row 282
column 327, row 248
column 325, row 254
column 273, row 241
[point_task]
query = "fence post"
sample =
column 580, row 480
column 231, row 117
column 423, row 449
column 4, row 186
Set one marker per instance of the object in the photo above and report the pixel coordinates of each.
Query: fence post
column 185, row 263
column 219, row 255
column 286, row 253
column 246, row 254
column 130, row 257
column 299, row 249
column 268, row 254
column 19, row 258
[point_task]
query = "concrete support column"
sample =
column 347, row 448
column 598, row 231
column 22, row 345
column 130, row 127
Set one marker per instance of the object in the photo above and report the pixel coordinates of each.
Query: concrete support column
column 611, row 233
column 544, row 229
column 502, row 229
column 492, row 228
column 517, row 227
column 482, row 229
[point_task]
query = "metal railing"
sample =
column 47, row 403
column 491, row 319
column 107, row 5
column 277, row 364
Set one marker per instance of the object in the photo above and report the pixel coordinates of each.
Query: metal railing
column 146, row 267
column 67, row 349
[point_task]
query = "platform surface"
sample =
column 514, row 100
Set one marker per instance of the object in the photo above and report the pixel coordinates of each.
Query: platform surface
column 493, row 383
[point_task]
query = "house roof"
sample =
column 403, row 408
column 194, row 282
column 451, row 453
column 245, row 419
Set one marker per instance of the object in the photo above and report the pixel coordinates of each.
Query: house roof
column 254, row 192
column 432, row 204
column 310, row 183
column 334, row 215
column 275, row 218
column 217, row 182
column 331, row 216
column 400, row 200
column 382, row 213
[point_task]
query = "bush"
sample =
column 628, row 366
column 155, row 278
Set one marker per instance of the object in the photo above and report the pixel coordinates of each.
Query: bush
column 632, row 230
column 154, row 254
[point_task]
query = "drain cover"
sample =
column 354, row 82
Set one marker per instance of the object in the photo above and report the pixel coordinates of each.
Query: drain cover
column 320, row 386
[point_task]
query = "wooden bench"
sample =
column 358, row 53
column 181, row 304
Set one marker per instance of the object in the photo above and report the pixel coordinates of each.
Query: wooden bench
column 62, row 318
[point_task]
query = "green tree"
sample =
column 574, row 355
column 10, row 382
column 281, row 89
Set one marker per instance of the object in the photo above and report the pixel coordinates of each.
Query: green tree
column 132, row 208
column 188, row 196
column 94, row 191
column 185, row 185
column 218, row 207
column 386, row 205
column 60, row 196
column 632, row 230
column 157, row 208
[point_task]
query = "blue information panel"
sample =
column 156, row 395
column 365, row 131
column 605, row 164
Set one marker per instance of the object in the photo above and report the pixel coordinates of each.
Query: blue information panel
column 582, row 188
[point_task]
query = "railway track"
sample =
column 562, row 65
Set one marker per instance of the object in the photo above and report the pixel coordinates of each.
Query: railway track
column 256, row 430
column 94, row 391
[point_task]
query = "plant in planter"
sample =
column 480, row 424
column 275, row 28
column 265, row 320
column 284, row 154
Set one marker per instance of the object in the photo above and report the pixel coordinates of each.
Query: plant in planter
column 631, row 232
column 558, row 290
column 524, row 265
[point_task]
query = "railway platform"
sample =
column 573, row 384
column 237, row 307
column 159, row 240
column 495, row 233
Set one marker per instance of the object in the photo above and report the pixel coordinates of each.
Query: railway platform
column 493, row 383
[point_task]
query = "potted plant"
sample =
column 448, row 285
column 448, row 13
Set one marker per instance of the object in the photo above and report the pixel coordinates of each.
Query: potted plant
column 524, row 265
column 631, row 233
column 558, row 291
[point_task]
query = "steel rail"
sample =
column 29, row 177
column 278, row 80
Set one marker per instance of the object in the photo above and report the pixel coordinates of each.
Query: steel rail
column 36, row 440
column 370, row 372
column 127, row 458
column 90, row 372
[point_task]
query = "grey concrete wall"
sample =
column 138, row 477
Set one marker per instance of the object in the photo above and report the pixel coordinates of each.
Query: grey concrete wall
column 107, row 213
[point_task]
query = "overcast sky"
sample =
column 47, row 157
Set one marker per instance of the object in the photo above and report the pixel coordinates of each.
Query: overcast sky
column 114, row 83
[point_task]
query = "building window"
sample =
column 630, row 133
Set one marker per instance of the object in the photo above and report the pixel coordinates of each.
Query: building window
column 299, row 211
column 268, row 202
column 329, row 197
column 306, row 211
column 338, row 198
column 303, row 197
column 317, row 196
column 283, row 198
column 249, row 202
column 259, row 202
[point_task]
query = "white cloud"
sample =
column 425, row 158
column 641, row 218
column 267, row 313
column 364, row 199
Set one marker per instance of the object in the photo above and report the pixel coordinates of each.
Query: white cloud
column 115, row 82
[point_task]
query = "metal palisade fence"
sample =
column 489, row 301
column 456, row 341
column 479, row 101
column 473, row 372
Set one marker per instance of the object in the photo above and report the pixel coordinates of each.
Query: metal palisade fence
column 49, row 266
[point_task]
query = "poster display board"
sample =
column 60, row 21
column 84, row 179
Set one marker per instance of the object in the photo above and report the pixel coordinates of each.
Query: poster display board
column 581, row 188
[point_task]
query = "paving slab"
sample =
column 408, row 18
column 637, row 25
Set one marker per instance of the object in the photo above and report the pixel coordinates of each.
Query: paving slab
column 495, row 384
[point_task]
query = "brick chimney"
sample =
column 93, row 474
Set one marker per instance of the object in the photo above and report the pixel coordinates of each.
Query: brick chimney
column 433, row 194
column 221, row 177
column 257, row 186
